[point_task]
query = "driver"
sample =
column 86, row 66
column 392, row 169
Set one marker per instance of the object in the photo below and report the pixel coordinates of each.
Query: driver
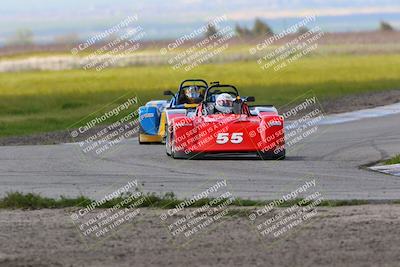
column 192, row 95
column 224, row 103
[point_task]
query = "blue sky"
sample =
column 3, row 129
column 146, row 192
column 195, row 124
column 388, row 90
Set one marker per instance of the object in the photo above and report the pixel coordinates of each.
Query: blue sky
column 170, row 18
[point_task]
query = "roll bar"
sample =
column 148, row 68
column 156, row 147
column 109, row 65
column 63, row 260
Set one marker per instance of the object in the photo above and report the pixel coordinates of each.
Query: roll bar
column 194, row 80
column 217, row 85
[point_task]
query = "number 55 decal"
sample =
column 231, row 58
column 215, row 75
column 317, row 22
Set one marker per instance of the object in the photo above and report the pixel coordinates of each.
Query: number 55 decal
column 223, row 138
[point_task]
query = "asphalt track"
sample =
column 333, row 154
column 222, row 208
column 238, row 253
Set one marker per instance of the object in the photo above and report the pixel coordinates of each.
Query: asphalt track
column 333, row 157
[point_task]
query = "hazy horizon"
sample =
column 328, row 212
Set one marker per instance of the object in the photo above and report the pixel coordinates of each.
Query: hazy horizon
column 48, row 19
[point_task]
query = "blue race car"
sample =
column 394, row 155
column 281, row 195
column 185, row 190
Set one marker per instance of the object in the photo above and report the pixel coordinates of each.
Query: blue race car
column 152, row 116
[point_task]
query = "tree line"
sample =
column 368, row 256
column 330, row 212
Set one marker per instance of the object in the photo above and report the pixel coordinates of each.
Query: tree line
column 261, row 28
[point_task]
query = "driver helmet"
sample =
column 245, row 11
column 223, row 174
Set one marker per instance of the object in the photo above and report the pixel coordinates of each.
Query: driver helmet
column 224, row 103
column 192, row 94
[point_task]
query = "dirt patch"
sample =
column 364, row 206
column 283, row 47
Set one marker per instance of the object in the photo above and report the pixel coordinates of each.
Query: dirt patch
column 362, row 101
column 51, row 138
column 38, row 139
column 344, row 236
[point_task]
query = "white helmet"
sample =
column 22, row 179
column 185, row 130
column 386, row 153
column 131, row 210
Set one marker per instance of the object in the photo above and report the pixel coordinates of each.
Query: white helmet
column 224, row 103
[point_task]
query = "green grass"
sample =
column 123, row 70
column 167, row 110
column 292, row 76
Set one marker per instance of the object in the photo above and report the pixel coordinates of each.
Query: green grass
column 394, row 160
column 36, row 102
column 17, row 200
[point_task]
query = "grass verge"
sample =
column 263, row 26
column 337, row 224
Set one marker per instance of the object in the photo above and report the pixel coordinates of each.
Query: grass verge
column 394, row 160
column 17, row 200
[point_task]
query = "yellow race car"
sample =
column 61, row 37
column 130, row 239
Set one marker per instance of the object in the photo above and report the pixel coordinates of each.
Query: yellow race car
column 152, row 116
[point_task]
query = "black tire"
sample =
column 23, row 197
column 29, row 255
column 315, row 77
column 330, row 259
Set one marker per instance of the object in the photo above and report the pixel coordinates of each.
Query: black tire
column 140, row 142
column 281, row 156
column 171, row 140
column 187, row 156
column 270, row 155
column 168, row 149
column 140, row 132
column 164, row 140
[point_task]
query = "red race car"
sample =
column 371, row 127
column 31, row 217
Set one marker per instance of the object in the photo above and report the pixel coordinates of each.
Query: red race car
column 224, row 125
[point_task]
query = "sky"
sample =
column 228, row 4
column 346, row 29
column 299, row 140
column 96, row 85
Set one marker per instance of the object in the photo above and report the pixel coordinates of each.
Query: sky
column 168, row 19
